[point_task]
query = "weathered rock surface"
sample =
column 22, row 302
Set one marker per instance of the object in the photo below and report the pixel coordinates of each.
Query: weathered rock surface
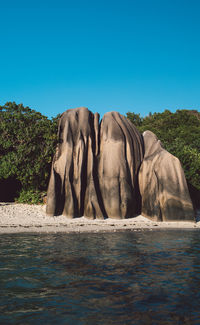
column 94, row 171
column 120, row 156
column 72, row 188
column 96, row 166
column 162, row 184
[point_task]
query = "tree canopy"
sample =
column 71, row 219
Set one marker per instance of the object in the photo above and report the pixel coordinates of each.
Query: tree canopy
column 27, row 143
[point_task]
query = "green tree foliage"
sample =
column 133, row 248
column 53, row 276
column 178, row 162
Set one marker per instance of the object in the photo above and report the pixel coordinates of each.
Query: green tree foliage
column 27, row 143
column 135, row 118
column 180, row 134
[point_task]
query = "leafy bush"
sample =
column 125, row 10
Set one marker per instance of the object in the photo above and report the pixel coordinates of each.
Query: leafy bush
column 30, row 196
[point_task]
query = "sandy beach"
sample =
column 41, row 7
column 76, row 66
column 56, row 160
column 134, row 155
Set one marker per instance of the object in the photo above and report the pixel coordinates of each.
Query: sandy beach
column 16, row 218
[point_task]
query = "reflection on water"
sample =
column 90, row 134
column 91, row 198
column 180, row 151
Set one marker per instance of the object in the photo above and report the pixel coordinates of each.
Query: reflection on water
column 149, row 277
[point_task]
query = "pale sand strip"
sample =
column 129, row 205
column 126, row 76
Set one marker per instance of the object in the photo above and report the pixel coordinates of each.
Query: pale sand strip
column 15, row 218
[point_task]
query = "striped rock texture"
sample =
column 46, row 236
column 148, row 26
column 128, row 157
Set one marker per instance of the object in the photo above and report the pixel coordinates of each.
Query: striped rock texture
column 95, row 168
column 108, row 169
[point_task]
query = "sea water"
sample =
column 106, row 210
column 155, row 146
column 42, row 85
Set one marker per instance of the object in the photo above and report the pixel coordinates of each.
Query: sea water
column 137, row 277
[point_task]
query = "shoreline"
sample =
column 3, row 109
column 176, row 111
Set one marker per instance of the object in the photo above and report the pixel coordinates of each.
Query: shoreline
column 25, row 218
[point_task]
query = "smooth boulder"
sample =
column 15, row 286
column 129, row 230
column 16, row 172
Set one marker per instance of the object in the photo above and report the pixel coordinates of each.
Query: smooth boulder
column 162, row 183
column 120, row 156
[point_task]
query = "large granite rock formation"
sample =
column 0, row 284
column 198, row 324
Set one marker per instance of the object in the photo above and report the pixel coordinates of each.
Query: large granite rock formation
column 120, row 156
column 95, row 168
column 162, row 184
column 72, row 188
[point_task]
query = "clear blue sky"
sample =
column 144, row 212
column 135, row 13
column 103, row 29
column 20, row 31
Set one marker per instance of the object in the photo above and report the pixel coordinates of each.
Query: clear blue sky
column 125, row 55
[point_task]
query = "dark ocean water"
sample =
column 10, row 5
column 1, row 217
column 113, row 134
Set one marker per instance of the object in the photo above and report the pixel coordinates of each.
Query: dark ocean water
column 145, row 277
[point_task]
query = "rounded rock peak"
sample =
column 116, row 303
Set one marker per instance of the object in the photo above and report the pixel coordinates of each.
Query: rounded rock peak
column 151, row 143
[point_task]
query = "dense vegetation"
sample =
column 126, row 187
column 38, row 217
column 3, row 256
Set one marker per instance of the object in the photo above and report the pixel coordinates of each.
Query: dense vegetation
column 28, row 140
column 27, row 143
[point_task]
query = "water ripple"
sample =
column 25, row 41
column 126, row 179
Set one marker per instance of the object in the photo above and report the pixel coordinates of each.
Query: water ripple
column 120, row 278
